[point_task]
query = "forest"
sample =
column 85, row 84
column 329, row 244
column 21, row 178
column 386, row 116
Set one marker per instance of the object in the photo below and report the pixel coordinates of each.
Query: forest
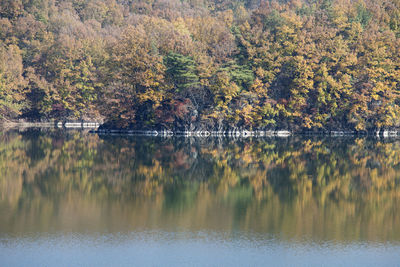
column 202, row 64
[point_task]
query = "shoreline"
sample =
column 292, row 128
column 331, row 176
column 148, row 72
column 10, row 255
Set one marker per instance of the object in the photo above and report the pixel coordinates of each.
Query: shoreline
column 51, row 124
column 95, row 127
column 245, row 133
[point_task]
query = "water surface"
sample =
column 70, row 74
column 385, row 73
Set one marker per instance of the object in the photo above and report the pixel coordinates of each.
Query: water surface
column 74, row 198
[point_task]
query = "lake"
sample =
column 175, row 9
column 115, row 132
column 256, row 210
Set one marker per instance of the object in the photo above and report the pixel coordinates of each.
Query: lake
column 71, row 198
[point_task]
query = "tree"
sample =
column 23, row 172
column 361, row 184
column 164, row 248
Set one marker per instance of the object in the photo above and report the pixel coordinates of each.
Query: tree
column 12, row 83
column 181, row 71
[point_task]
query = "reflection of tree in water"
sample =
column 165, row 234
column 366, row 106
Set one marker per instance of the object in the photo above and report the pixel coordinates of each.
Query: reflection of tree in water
column 290, row 167
column 291, row 185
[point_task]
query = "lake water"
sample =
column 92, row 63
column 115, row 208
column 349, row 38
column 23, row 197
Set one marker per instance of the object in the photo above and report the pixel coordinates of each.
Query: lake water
column 79, row 199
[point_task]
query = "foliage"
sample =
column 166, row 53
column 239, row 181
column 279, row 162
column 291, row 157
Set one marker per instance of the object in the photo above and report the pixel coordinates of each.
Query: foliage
column 181, row 71
column 278, row 64
column 12, row 83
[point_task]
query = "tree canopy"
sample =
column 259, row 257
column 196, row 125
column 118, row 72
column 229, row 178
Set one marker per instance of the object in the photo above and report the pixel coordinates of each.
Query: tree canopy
column 297, row 64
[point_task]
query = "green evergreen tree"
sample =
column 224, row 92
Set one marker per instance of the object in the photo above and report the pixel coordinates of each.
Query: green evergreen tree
column 240, row 74
column 181, row 71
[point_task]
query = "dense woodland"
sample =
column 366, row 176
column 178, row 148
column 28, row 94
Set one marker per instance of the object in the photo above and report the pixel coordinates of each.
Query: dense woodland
column 210, row 64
